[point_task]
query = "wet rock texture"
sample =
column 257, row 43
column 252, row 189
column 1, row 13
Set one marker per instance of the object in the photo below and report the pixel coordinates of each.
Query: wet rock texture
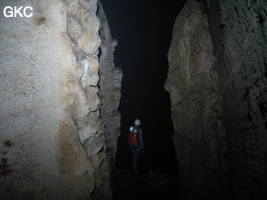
column 52, row 140
column 217, row 81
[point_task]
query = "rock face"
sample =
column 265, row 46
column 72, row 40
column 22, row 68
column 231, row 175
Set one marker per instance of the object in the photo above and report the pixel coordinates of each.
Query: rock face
column 52, row 139
column 197, row 114
column 242, row 72
column 110, row 88
column 217, row 81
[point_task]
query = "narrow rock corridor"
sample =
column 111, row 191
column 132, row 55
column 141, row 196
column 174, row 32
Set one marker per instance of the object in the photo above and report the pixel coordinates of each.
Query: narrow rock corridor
column 76, row 74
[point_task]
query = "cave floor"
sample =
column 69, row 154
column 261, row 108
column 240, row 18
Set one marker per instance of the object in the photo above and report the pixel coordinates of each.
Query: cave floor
column 156, row 185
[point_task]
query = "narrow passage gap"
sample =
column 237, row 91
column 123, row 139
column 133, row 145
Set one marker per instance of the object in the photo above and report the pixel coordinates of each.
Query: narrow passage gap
column 144, row 31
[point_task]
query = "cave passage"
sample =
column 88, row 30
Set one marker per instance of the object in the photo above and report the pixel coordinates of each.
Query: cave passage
column 144, row 30
column 66, row 108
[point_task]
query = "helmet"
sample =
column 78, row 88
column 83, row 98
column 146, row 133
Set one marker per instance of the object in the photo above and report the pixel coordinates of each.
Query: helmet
column 137, row 122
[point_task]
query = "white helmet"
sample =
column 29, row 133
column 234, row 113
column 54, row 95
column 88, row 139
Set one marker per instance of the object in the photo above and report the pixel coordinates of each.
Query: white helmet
column 137, row 122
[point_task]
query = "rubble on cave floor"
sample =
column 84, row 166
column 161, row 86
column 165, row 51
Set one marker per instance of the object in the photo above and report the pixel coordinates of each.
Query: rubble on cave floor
column 154, row 184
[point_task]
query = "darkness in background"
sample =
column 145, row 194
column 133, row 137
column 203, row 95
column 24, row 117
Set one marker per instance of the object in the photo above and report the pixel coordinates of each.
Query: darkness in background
column 144, row 31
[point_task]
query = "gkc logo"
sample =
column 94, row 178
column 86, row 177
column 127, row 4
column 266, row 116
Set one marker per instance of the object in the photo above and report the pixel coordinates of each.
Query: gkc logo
column 14, row 12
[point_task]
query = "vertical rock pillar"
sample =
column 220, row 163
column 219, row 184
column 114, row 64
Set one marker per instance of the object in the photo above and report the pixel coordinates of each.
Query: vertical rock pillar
column 110, row 88
column 52, row 142
column 196, row 108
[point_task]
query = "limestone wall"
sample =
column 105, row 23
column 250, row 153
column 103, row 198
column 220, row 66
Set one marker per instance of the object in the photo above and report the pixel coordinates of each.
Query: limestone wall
column 110, row 88
column 242, row 70
column 52, row 141
column 197, row 114
column 217, row 82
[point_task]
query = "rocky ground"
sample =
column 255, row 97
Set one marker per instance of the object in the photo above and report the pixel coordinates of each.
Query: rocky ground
column 133, row 185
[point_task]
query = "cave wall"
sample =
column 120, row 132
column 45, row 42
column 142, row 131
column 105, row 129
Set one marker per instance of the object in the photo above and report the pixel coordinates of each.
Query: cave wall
column 110, row 88
column 196, row 107
column 52, row 138
column 217, row 82
column 242, row 70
